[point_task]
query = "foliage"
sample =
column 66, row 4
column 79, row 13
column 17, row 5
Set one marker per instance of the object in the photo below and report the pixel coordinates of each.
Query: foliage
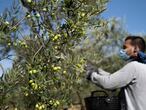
column 47, row 70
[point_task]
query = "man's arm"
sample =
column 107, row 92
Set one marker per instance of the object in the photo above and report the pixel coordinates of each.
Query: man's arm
column 116, row 80
column 102, row 72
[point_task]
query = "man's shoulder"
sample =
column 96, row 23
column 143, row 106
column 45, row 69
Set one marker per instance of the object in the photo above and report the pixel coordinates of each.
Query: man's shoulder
column 136, row 64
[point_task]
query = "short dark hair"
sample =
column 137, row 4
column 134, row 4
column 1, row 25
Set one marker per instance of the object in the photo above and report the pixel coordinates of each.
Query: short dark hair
column 137, row 41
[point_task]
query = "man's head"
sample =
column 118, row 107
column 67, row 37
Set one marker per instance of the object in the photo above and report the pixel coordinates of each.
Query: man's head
column 134, row 44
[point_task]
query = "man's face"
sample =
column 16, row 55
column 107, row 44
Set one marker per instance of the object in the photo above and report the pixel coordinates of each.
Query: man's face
column 130, row 49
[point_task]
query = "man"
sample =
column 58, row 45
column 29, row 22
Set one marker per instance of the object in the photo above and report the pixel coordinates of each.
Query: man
column 132, row 77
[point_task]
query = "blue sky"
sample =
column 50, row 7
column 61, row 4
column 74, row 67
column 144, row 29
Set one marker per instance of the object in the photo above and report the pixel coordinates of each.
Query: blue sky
column 5, row 4
column 131, row 11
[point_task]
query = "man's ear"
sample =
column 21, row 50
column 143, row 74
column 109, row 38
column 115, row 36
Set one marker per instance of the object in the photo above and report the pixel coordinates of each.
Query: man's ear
column 136, row 50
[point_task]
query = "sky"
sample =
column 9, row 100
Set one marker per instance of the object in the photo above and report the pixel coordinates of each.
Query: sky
column 131, row 11
column 5, row 63
column 5, row 4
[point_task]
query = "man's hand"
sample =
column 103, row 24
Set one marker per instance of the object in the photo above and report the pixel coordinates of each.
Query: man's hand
column 88, row 75
column 90, row 68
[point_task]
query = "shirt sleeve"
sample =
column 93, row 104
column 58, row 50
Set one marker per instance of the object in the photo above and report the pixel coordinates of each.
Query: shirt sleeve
column 102, row 72
column 116, row 80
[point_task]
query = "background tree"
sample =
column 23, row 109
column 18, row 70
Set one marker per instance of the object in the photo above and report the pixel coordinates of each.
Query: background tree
column 101, row 49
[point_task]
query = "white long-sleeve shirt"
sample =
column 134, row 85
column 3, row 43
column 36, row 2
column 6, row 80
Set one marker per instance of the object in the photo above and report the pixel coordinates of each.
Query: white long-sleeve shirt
column 132, row 77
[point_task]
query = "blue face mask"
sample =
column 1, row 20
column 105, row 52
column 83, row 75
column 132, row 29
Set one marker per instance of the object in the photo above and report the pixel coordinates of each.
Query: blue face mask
column 124, row 55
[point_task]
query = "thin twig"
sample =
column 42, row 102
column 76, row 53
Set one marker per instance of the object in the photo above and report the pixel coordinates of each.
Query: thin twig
column 17, row 23
column 7, row 57
column 37, row 53
column 2, row 72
